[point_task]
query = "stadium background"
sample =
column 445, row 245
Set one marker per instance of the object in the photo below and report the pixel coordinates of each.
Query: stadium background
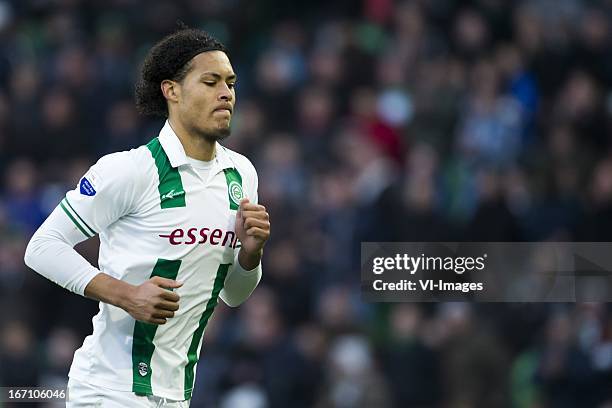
column 367, row 120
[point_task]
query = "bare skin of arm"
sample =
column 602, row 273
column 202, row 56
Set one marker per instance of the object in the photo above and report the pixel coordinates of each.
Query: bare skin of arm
column 149, row 302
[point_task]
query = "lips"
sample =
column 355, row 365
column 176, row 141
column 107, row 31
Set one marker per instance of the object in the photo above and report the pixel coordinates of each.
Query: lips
column 224, row 108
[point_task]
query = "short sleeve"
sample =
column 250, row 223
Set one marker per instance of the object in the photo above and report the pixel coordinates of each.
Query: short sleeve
column 103, row 195
column 250, row 179
column 254, row 194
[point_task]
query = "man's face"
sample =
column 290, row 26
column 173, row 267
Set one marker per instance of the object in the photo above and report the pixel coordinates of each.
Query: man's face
column 207, row 96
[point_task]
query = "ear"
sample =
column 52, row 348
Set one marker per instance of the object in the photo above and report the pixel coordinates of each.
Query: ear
column 171, row 90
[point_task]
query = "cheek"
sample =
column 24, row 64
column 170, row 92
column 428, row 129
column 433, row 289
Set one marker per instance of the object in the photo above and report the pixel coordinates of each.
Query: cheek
column 197, row 110
column 198, row 101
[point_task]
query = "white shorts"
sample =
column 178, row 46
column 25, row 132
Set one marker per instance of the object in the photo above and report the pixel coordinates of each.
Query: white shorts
column 82, row 394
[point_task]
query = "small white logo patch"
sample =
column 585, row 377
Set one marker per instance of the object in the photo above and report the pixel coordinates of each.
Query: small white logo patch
column 143, row 369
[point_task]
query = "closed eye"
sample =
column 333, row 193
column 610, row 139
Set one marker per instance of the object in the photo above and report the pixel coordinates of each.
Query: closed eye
column 230, row 85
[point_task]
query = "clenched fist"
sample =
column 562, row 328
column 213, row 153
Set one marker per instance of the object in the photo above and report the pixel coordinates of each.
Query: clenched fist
column 152, row 302
column 253, row 230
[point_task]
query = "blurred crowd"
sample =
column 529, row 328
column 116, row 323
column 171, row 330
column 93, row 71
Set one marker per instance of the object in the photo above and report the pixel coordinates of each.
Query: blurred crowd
column 372, row 120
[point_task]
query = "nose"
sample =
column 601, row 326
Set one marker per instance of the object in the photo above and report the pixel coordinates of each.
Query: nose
column 225, row 94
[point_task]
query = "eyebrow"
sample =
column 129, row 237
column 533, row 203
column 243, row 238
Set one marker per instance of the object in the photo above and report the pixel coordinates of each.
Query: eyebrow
column 216, row 75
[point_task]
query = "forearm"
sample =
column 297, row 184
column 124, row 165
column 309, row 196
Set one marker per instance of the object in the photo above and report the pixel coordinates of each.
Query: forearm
column 109, row 290
column 249, row 261
column 242, row 278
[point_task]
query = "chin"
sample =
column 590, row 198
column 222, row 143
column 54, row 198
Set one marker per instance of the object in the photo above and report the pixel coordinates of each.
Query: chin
column 216, row 134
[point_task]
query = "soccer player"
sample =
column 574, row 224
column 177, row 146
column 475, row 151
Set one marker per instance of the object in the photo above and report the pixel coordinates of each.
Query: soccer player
column 179, row 227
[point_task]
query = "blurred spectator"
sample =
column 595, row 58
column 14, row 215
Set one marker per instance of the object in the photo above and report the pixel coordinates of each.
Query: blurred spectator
column 413, row 366
column 475, row 363
column 20, row 198
column 493, row 221
column 268, row 350
column 564, row 369
column 245, row 396
column 490, row 132
column 19, row 360
column 352, row 379
column 59, row 351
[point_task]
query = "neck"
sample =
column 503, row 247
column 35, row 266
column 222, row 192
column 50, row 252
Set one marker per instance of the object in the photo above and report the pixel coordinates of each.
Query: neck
column 196, row 147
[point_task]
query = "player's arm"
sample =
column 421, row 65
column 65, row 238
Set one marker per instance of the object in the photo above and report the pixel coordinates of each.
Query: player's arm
column 51, row 253
column 253, row 230
column 102, row 197
column 149, row 302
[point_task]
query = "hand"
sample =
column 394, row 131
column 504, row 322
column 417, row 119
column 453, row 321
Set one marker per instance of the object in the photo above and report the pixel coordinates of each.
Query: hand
column 151, row 302
column 252, row 227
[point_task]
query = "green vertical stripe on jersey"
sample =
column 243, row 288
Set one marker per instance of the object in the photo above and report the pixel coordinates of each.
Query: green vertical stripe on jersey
column 192, row 353
column 234, row 187
column 143, row 347
column 171, row 192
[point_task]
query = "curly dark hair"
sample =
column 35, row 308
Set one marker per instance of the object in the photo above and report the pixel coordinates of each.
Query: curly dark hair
column 170, row 59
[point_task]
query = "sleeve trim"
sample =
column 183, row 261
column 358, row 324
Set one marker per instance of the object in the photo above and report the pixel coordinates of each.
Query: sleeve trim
column 82, row 225
column 91, row 230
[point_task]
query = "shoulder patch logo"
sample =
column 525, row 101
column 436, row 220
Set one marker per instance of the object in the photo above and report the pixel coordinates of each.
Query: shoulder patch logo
column 86, row 188
column 235, row 192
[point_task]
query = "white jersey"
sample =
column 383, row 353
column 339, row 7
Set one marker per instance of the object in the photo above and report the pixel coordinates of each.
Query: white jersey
column 156, row 216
